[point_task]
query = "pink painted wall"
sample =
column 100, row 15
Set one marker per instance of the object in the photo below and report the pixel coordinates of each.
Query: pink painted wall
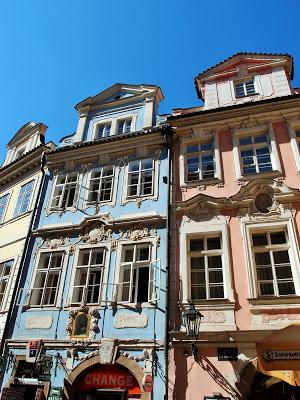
column 190, row 380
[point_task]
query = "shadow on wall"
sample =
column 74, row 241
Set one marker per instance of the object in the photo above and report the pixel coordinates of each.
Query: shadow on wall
column 181, row 375
column 207, row 366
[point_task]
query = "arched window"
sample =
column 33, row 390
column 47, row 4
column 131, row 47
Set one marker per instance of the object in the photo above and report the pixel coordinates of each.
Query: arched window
column 81, row 325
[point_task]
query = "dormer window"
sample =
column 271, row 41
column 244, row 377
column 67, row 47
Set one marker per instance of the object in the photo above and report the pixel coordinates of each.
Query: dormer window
column 19, row 153
column 245, row 88
column 103, row 130
column 124, row 126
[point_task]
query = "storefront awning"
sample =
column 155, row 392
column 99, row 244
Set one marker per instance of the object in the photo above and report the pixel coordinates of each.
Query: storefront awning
column 278, row 355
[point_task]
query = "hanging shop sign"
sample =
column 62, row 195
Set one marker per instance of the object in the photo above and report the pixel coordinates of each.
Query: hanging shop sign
column 227, row 353
column 55, row 393
column 109, row 377
column 148, row 383
column 33, row 349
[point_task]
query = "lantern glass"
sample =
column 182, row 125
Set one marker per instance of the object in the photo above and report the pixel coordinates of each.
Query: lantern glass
column 192, row 322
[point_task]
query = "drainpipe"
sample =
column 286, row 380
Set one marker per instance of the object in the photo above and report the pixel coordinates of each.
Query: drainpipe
column 24, row 256
column 167, row 133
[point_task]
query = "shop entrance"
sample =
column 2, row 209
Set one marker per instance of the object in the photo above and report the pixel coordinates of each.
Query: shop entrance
column 107, row 382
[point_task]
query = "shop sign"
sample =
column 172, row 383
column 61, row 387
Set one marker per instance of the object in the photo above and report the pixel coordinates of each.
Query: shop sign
column 55, row 393
column 109, row 377
column 148, row 383
column 227, row 354
column 13, row 393
column 32, row 350
column 272, row 355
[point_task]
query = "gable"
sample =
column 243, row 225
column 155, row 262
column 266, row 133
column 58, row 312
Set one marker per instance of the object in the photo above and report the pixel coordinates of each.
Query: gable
column 120, row 93
column 248, row 61
column 25, row 132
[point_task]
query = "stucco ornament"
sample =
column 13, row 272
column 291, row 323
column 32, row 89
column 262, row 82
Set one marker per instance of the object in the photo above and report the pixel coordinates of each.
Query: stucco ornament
column 201, row 212
column 137, row 233
column 94, row 321
column 55, row 242
column 97, row 235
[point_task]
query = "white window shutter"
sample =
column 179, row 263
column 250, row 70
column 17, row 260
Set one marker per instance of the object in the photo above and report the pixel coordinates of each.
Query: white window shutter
column 154, row 280
column 266, row 85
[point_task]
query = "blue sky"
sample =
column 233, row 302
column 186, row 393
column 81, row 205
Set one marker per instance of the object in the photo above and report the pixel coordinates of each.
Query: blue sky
column 55, row 53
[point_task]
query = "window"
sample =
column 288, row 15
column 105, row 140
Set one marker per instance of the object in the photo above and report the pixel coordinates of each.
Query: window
column 124, row 126
column 101, row 185
column 88, row 276
column 103, row 130
column 24, row 198
column 47, row 278
column 136, row 274
column 255, row 154
column 64, row 192
column 3, row 205
column 246, row 88
column 270, row 252
column 5, row 268
column 140, row 178
column 200, row 163
column 206, row 271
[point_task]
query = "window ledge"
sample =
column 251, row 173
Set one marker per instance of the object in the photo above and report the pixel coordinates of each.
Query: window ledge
column 214, row 304
column 271, row 174
column 267, row 303
column 120, row 305
column 203, row 182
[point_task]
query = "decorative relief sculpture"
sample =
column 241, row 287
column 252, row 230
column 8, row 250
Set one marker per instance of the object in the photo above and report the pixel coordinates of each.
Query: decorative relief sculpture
column 93, row 316
column 97, row 235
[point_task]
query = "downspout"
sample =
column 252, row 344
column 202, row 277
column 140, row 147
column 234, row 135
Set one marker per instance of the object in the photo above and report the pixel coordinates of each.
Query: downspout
column 167, row 133
column 24, row 256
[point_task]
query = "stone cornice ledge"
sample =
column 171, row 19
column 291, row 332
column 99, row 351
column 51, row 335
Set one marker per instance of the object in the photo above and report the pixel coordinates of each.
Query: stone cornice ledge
column 105, row 218
column 92, row 344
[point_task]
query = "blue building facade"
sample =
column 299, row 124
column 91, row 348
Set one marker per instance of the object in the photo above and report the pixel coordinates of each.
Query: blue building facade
column 91, row 318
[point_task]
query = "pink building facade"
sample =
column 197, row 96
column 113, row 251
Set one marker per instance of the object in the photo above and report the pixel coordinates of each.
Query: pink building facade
column 235, row 226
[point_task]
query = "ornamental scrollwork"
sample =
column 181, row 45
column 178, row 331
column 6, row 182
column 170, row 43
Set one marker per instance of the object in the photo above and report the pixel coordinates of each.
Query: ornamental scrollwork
column 97, row 235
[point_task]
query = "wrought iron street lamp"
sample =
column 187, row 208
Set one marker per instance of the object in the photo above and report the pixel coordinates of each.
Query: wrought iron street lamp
column 192, row 322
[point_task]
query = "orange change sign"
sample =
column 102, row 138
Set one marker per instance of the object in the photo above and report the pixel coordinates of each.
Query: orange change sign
column 109, row 377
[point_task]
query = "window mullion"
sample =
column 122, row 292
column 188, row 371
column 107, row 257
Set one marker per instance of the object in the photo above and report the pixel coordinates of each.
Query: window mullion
column 46, row 279
column 275, row 283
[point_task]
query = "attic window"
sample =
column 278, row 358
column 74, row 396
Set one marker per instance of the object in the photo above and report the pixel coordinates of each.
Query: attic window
column 20, row 152
column 117, row 97
column 245, row 88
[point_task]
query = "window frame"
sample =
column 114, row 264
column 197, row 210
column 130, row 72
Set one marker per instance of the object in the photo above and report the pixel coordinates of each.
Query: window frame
column 155, row 182
column 293, row 127
column 117, row 273
column 4, row 304
column 15, row 214
column 104, row 276
column 112, row 201
column 114, row 122
column 205, row 253
column 217, row 226
column 246, row 132
column 61, row 278
column 248, row 228
column 199, row 138
column 50, row 208
column 244, row 83
column 2, row 219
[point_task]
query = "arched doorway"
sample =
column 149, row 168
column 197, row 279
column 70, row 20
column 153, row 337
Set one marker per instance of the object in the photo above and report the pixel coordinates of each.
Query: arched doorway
column 267, row 387
column 91, row 380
